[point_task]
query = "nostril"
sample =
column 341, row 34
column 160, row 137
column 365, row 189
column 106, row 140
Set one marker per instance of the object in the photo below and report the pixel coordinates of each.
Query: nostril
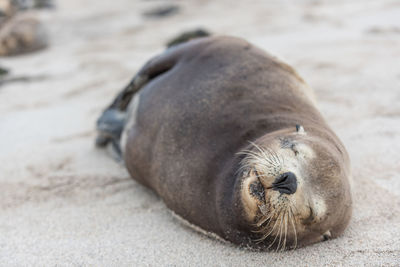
column 282, row 178
column 285, row 183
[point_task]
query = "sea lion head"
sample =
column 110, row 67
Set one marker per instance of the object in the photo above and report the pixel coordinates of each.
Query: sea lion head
column 294, row 189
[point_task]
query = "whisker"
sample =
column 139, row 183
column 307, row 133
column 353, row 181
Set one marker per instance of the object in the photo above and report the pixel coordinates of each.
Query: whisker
column 276, row 236
column 251, row 161
column 262, row 230
column 271, row 231
column 286, row 228
column 262, row 151
column 294, row 227
column 266, row 157
column 294, row 207
column 263, row 220
column 279, row 159
column 263, row 158
column 281, row 230
column 264, row 211
column 273, row 155
column 283, row 160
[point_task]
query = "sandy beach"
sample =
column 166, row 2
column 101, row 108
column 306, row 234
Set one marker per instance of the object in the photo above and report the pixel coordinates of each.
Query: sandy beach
column 64, row 202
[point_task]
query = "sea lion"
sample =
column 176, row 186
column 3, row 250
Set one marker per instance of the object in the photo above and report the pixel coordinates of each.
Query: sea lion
column 229, row 137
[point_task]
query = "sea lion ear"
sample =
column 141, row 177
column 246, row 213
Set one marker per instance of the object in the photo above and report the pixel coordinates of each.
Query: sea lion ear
column 300, row 129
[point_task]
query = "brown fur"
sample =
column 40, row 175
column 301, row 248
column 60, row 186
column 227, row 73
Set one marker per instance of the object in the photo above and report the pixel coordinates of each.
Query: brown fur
column 203, row 103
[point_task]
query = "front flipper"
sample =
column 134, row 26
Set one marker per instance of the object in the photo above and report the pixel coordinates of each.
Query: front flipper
column 187, row 36
column 110, row 126
column 112, row 121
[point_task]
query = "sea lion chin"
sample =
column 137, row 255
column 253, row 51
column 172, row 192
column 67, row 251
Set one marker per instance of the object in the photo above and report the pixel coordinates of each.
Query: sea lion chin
column 230, row 139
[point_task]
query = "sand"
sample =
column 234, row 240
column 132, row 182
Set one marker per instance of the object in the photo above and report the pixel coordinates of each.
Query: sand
column 64, row 202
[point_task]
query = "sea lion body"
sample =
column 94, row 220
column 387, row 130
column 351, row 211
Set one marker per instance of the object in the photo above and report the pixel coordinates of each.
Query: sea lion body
column 201, row 107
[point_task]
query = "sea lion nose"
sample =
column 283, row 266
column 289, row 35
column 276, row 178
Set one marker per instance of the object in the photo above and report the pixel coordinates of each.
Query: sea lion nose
column 285, row 183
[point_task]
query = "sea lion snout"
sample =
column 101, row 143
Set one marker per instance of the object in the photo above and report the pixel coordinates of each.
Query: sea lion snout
column 285, row 183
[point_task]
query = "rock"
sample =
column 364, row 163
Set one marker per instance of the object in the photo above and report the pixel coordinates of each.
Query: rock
column 22, row 34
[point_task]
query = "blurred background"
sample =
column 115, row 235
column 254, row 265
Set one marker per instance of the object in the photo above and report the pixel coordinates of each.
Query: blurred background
column 62, row 201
